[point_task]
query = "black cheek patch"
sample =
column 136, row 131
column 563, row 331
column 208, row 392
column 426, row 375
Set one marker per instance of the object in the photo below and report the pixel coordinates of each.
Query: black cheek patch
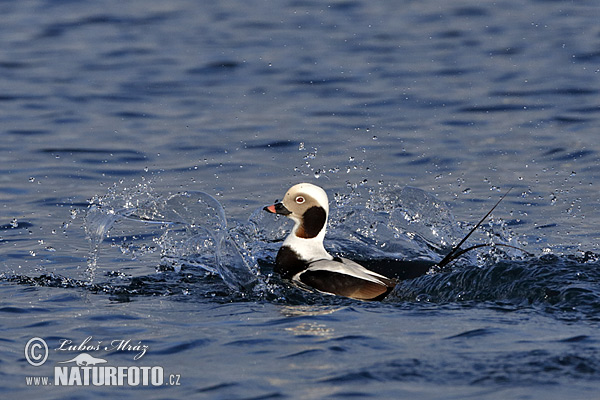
column 313, row 221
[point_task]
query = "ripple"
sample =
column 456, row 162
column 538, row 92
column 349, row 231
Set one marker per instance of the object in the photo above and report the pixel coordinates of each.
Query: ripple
column 57, row 29
column 470, row 11
column 29, row 132
column 276, row 144
column 546, row 92
column 495, row 108
column 561, row 154
column 576, row 339
column 216, row 387
column 13, row 310
column 182, row 347
column 305, row 354
column 215, row 67
column 473, row 333
column 592, row 56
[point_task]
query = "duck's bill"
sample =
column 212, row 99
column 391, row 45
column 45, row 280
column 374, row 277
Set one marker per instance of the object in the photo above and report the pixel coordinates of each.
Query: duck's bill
column 277, row 208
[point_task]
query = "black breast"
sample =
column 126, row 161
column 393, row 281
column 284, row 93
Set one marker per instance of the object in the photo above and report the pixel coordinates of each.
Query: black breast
column 288, row 263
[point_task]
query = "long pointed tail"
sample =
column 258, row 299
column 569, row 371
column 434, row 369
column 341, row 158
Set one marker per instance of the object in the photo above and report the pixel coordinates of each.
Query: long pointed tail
column 455, row 252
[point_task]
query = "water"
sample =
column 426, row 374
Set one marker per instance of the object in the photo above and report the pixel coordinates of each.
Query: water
column 141, row 139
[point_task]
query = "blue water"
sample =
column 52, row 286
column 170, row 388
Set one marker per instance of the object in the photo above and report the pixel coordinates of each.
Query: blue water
column 140, row 140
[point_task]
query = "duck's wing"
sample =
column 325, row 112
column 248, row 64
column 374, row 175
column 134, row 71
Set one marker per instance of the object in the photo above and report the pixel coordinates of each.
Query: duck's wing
column 344, row 277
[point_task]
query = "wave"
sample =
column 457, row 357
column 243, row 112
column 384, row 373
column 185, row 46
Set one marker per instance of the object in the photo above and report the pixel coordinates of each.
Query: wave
column 561, row 283
column 398, row 231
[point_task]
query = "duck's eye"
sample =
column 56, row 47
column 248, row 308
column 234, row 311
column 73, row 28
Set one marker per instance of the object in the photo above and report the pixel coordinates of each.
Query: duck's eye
column 300, row 200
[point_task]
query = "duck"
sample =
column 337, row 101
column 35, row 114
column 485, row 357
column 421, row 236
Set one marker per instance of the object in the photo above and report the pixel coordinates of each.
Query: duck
column 303, row 259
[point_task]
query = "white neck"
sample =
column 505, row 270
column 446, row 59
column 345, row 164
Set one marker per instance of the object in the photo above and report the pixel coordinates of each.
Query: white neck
column 308, row 249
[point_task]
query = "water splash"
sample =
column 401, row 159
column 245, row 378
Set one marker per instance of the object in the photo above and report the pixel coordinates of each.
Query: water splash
column 97, row 224
column 206, row 242
column 202, row 253
column 194, row 232
column 400, row 223
column 388, row 227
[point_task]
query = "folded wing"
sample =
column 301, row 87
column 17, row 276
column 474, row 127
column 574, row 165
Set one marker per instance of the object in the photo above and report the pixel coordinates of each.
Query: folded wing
column 344, row 277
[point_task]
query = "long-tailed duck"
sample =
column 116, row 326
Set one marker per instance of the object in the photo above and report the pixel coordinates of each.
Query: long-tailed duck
column 303, row 259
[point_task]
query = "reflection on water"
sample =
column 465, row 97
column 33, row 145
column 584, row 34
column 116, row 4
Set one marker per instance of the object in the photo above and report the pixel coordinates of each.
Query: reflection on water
column 309, row 310
column 311, row 329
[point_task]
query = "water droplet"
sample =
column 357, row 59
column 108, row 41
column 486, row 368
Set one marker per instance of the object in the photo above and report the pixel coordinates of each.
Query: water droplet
column 467, row 191
column 32, row 179
column 14, row 223
column 423, row 298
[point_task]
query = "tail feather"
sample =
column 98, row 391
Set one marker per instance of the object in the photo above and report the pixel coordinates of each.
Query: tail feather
column 456, row 252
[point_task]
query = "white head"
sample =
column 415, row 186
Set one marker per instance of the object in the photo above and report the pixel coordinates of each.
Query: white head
column 307, row 205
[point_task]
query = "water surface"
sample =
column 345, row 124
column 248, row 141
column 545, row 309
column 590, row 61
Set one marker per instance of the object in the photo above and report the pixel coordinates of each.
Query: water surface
column 120, row 106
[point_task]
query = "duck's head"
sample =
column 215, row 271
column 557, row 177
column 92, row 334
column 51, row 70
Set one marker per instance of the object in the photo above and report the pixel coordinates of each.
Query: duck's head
column 307, row 205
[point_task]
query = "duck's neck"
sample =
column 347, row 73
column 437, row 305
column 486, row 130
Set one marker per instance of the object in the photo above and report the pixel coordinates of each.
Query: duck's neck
column 310, row 249
column 296, row 254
